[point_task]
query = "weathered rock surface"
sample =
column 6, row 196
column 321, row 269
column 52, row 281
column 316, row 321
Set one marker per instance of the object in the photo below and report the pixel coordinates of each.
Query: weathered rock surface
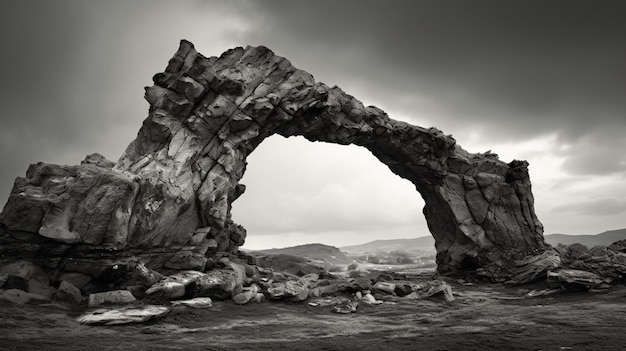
column 69, row 292
column 167, row 200
column 21, row 297
column 602, row 261
column 573, row 279
column 198, row 302
column 28, row 277
column 123, row 315
column 111, row 297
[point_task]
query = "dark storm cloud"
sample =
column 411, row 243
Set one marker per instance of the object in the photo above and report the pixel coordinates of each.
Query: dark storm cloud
column 73, row 72
column 33, row 46
column 512, row 70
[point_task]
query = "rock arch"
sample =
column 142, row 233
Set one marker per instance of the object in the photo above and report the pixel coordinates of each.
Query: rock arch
column 168, row 198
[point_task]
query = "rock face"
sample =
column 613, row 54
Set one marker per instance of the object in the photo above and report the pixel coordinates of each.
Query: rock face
column 167, row 201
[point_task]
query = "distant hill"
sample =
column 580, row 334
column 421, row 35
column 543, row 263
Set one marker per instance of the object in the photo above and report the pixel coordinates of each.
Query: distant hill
column 423, row 244
column 316, row 252
column 605, row 239
column 426, row 244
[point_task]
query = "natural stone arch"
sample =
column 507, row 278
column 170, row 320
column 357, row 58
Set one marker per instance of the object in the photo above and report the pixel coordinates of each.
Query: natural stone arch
column 172, row 190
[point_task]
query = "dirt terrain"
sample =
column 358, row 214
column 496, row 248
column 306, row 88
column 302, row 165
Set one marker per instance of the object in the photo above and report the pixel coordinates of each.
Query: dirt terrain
column 482, row 317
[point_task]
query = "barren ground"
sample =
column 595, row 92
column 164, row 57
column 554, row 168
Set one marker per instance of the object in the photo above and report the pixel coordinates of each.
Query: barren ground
column 483, row 317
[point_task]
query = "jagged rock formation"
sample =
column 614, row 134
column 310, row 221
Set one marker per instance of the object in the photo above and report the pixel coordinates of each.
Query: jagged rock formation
column 167, row 200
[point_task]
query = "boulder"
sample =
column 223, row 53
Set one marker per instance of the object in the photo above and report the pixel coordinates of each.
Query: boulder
column 402, row 289
column 247, row 295
column 534, row 267
column 259, row 297
column 602, row 261
column 388, row 288
column 288, row 289
column 147, row 276
column 27, row 276
column 572, row 279
column 21, row 297
column 117, row 297
column 221, row 283
column 322, row 290
column 370, row 299
column 79, row 280
column 346, row 308
column 68, row 292
column 431, row 288
column 360, row 283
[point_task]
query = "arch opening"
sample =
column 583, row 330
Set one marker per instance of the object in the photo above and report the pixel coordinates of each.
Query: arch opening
column 323, row 193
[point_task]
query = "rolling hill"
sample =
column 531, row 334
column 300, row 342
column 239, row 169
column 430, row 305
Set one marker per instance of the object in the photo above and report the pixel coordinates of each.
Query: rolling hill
column 316, row 252
column 427, row 243
column 422, row 245
column 605, row 238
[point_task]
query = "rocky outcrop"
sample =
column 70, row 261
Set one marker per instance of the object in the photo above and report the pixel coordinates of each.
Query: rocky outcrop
column 167, row 201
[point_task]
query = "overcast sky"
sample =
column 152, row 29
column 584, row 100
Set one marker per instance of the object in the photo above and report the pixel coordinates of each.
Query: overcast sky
column 543, row 81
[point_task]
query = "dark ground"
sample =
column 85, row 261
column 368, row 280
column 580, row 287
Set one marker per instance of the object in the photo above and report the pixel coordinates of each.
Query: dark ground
column 483, row 317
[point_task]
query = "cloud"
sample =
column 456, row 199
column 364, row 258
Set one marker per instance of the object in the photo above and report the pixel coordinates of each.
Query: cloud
column 507, row 71
column 74, row 71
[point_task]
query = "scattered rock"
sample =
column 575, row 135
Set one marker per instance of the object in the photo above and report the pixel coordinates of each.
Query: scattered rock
column 402, row 289
column 385, row 287
column 79, row 280
column 147, row 276
column 123, row 315
column 322, row 290
column 572, row 279
column 21, row 297
column 68, row 292
column 604, row 262
column 370, row 299
column 288, row 289
column 221, row 283
column 360, row 283
column 167, row 289
column 434, row 287
column 111, row 297
column 259, row 298
column 347, row 308
column 198, row 302
column 247, row 295
column 533, row 268
column 27, row 276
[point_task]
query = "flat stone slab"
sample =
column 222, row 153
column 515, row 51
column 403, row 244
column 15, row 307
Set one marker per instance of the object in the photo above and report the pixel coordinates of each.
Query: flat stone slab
column 127, row 315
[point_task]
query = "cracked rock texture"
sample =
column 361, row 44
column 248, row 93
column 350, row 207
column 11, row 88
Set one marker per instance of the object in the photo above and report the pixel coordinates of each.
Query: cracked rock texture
column 167, row 201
